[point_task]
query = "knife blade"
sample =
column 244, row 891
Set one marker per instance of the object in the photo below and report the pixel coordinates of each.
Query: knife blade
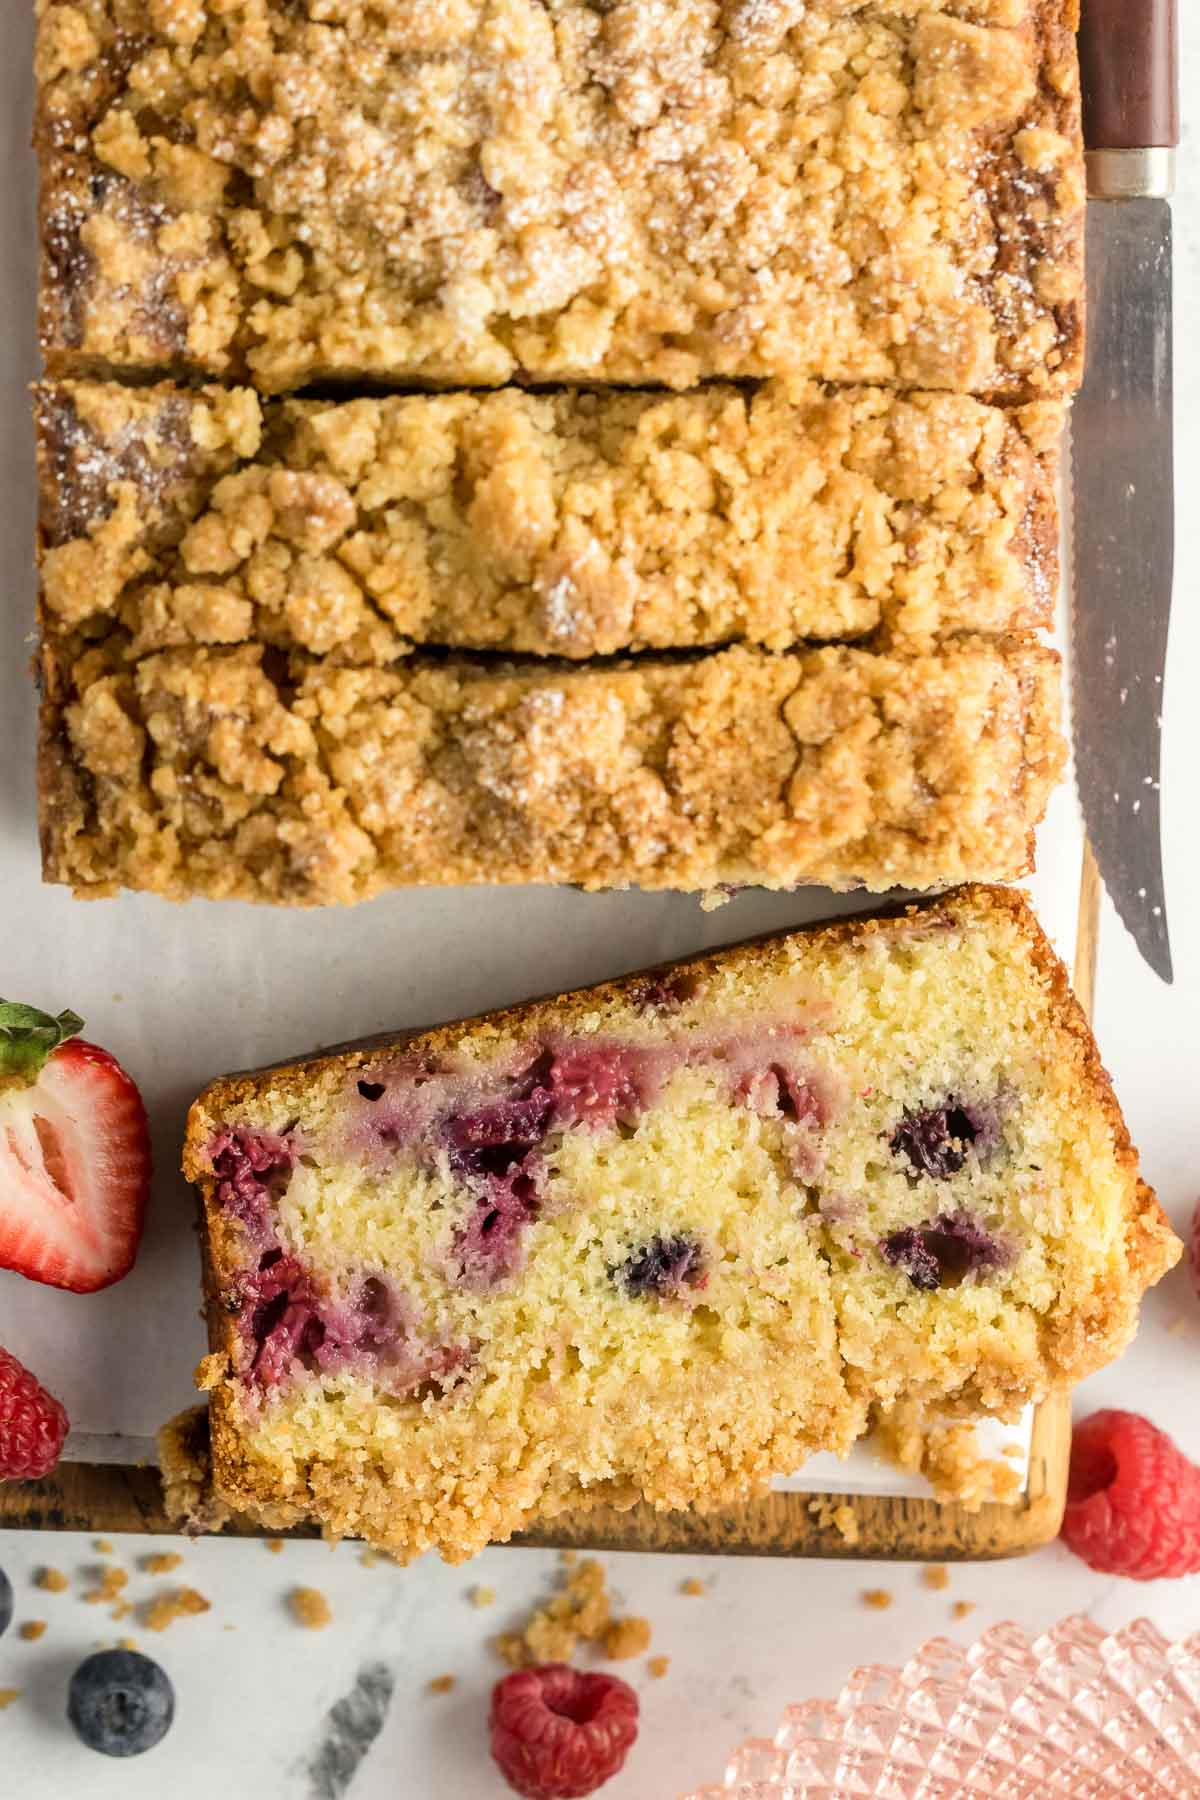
column 1123, row 456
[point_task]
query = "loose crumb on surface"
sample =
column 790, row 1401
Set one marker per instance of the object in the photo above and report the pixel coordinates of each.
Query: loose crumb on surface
column 935, row 1576
column 442, row 1684
column 102, row 1546
column 580, row 1609
column 31, row 1630
column 162, row 1562
column 878, row 1599
column 961, row 1608
column 53, row 1580
column 309, row 1607
column 109, row 1583
column 658, row 1666
column 693, row 1585
column 275, row 1545
column 842, row 1517
column 482, row 1596
column 126, row 1643
column 624, row 1638
column 7, row 1696
column 180, row 1603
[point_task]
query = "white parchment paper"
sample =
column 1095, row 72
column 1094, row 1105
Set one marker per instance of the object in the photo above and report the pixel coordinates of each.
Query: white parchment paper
column 183, row 993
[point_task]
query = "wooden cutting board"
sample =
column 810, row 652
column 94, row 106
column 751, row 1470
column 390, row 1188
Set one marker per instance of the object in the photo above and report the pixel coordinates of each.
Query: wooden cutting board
column 105, row 1498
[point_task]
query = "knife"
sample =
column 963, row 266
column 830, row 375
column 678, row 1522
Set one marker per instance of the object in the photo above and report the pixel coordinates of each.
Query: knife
column 1122, row 438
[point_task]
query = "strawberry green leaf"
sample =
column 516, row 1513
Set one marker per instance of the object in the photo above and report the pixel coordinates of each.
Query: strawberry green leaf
column 29, row 1037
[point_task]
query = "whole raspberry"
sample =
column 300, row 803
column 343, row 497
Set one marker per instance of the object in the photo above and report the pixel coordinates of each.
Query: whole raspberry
column 558, row 1734
column 1133, row 1499
column 32, row 1424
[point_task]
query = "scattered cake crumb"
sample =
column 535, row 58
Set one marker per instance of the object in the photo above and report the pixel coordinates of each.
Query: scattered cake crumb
column 482, row 1596
column 568, row 1558
column 935, row 1576
column 109, row 1583
column 31, row 1630
column 275, row 1545
column 658, row 1666
column 878, row 1599
column 126, row 1643
column 7, row 1696
column 53, row 1580
column 102, row 1547
column 162, row 1562
column 961, row 1608
column 693, row 1585
column 580, row 1609
column 841, row 1516
column 624, row 1638
column 179, row 1604
column 309, row 1607
column 442, row 1684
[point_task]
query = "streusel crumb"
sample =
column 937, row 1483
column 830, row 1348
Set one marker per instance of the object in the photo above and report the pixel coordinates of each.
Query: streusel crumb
column 182, row 1603
column 443, row 1684
column 581, row 1609
column 877, row 1599
column 643, row 190
column 657, row 1666
column 693, row 1585
column 935, row 1576
column 32, row 1629
column 52, row 1580
column 625, row 1638
column 309, row 1607
column 162, row 1562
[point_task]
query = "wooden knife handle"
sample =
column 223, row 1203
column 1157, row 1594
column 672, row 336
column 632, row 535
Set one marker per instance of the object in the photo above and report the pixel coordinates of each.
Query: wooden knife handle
column 1129, row 55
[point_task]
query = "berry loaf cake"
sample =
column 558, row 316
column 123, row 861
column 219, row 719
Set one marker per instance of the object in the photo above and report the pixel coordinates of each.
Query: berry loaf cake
column 571, row 524
column 634, row 190
column 242, row 772
column 662, row 1239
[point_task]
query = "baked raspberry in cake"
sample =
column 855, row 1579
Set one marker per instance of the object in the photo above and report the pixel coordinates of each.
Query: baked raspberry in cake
column 572, row 524
column 662, row 1239
column 635, row 190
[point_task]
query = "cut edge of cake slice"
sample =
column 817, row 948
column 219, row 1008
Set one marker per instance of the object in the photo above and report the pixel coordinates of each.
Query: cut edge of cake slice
column 663, row 1238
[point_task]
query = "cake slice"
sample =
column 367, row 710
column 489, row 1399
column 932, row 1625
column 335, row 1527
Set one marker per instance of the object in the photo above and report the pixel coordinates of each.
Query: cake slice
column 662, row 1239
column 635, row 191
column 238, row 773
column 571, row 524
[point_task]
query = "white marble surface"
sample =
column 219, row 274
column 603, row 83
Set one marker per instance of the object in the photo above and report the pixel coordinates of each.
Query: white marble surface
column 254, row 1690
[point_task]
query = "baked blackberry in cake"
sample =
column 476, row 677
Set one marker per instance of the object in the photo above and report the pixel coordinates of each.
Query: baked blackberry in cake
column 661, row 1239
column 571, row 524
column 645, row 191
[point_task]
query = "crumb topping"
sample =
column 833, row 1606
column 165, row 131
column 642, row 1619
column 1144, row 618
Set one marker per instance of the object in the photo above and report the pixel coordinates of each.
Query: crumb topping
column 572, row 524
column 53, row 1581
column 644, row 190
column 214, row 771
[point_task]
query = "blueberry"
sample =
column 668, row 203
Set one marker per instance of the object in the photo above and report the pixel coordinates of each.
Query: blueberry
column 120, row 1702
column 663, row 1266
column 938, row 1139
column 944, row 1252
column 6, row 1603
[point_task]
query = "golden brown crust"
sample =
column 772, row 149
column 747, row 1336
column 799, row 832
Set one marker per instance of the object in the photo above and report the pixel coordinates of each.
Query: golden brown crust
column 639, row 192
column 214, row 771
column 1077, row 1334
column 572, row 524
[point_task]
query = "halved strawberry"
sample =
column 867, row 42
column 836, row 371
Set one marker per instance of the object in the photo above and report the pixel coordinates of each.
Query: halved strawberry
column 74, row 1154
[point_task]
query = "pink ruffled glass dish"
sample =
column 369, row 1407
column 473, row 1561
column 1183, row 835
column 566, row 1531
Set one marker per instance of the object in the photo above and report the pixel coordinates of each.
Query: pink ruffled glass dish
column 1078, row 1714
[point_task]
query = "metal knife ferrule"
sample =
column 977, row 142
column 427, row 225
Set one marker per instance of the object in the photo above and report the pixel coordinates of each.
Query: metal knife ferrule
column 1131, row 174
